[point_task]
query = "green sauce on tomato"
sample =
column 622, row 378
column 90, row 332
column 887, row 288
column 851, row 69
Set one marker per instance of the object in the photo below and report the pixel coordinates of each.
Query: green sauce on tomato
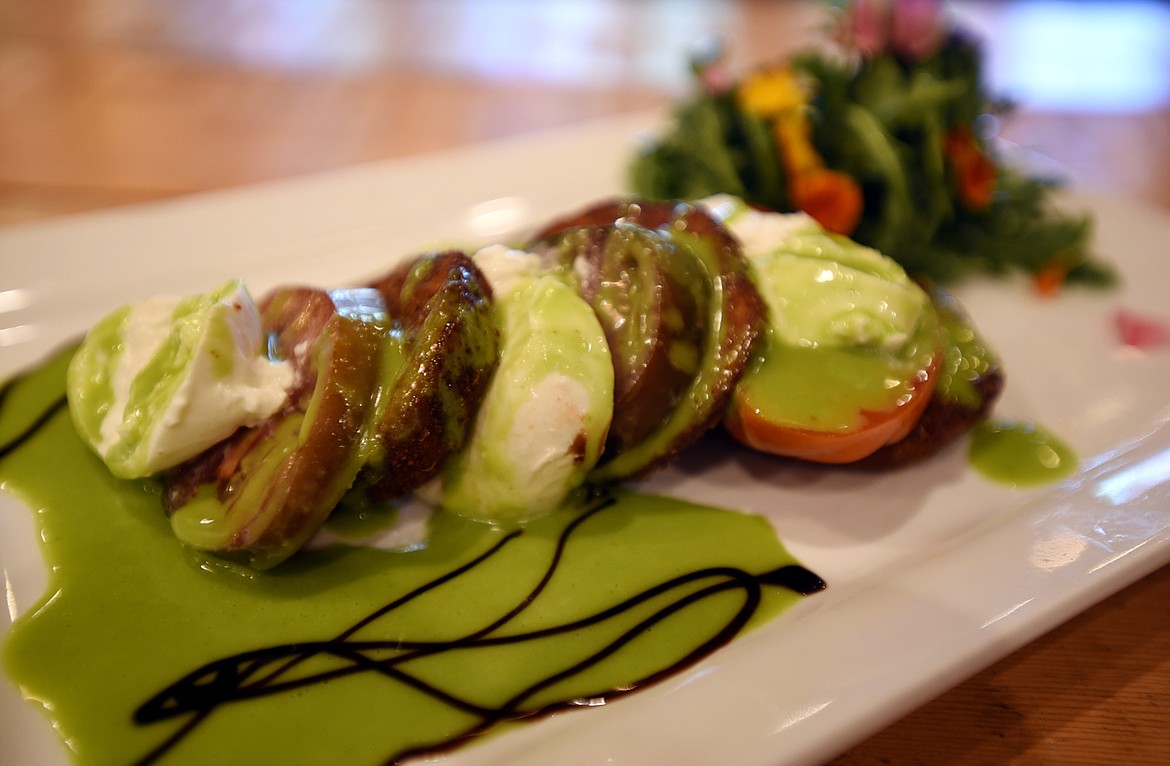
column 848, row 331
column 966, row 360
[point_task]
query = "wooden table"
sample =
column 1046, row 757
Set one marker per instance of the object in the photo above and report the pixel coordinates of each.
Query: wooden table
column 107, row 102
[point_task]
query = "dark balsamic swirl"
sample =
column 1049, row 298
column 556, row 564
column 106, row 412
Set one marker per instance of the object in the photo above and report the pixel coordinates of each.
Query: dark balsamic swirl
column 36, row 423
column 267, row 671
column 32, row 423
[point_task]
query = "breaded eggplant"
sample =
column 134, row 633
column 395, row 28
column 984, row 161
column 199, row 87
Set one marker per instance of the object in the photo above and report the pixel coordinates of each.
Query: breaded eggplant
column 260, row 495
column 440, row 305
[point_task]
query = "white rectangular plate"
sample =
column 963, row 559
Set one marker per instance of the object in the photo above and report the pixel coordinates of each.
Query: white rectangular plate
column 934, row 573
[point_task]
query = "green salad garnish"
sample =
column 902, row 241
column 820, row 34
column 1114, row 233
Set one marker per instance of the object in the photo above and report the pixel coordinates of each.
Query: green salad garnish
column 884, row 139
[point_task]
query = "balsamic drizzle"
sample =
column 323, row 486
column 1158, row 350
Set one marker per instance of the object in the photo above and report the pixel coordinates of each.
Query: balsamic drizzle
column 266, row 671
column 40, row 420
column 34, row 426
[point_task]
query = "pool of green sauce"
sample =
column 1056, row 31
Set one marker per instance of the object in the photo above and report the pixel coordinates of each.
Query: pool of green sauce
column 1019, row 453
column 145, row 652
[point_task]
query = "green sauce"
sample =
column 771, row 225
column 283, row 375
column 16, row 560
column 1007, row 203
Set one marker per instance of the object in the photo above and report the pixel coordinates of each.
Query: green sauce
column 791, row 385
column 145, row 652
column 967, row 358
column 1019, row 454
column 849, row 334
column 357, row 517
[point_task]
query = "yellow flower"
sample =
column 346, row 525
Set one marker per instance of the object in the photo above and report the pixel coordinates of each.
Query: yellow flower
column 779, row 96
column 794, row 140
column 771, row 92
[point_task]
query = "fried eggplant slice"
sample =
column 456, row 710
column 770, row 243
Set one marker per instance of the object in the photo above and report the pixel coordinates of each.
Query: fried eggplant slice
column 260, row 495
column 441, row 308
column 731, row 316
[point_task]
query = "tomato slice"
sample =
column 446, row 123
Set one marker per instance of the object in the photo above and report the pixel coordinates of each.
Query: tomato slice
column 757, row 428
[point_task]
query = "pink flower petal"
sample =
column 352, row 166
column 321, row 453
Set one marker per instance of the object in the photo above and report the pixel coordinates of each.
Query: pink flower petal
column 717, row 79
column 1141, row 331
column 917, row 29
column 867, row 26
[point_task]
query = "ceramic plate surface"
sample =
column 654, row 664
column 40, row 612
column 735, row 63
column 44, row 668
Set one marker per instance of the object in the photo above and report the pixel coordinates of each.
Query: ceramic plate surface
column 933, row 572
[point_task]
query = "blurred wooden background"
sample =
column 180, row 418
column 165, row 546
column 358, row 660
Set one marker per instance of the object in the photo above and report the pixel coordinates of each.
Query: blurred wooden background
column 108, row 102
column 104, row 102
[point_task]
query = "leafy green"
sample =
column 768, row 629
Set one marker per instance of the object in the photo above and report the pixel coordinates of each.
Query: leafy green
column 884, row 122
column 714, row 146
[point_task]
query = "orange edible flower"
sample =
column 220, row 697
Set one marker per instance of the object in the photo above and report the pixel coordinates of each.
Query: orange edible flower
column 974, row 171
column 1048, row 280
column 833, row 199
column 779, row 96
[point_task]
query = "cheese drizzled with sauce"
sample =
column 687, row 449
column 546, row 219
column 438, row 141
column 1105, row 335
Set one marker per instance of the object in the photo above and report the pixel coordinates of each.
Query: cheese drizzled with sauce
column 158, row 382
column 848, row 332
column 543, row 420
column 823, row 291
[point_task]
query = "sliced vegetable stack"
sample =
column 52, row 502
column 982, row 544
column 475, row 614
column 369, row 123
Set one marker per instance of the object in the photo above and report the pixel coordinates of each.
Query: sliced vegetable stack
column 501, row 385
column 680, row 356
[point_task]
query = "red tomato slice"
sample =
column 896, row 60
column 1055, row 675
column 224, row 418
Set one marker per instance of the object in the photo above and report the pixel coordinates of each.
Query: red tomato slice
column 877, row 429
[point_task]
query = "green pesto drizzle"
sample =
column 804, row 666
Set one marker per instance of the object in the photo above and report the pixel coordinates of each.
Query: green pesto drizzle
column 791, row 384
column 1019, row 454
column 357, row 517
column 92, row 373
column 966, row 359
column 154, row 387
column 148, row 653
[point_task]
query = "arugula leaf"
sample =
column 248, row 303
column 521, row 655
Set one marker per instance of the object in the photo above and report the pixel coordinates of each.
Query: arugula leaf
column 884, row 122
